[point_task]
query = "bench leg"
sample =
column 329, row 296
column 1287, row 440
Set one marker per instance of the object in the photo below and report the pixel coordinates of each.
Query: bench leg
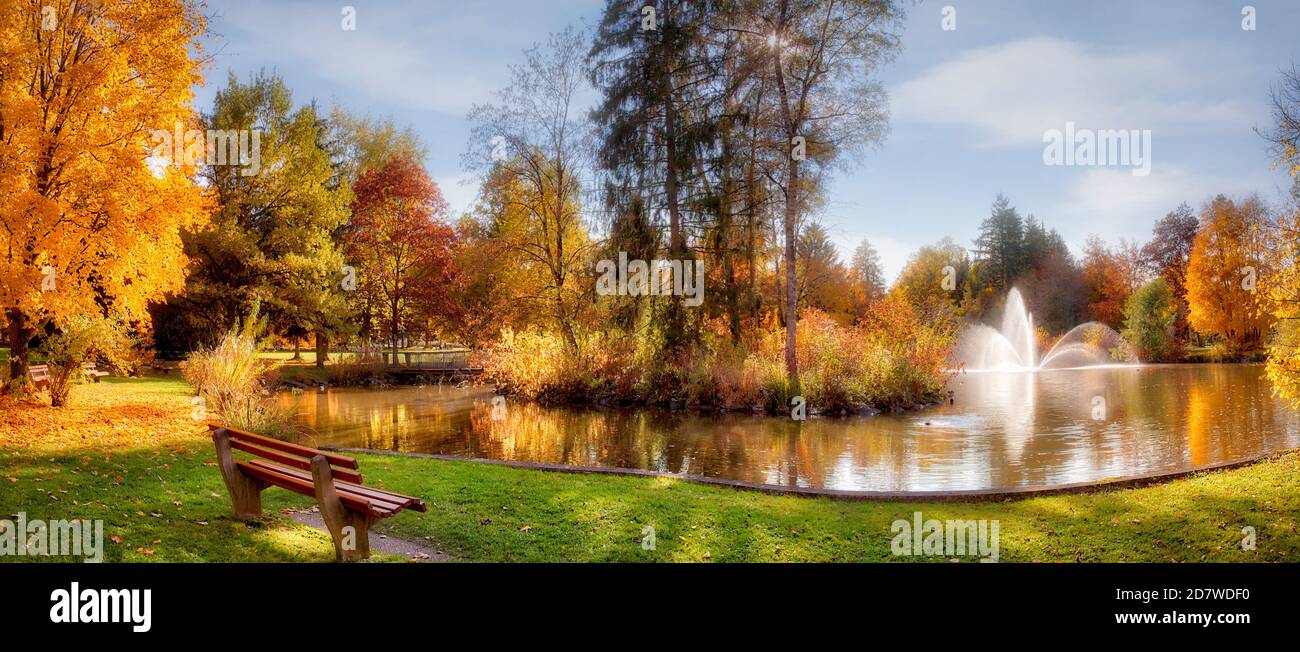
column 245, row 492
column 350, row 530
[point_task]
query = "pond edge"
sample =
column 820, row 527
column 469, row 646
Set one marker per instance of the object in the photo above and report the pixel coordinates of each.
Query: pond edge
column 965, row 495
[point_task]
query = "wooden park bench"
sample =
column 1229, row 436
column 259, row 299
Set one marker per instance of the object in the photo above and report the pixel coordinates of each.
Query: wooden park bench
column 163, row 367
column 348, row 508
column 91, row 372
column 40, row 374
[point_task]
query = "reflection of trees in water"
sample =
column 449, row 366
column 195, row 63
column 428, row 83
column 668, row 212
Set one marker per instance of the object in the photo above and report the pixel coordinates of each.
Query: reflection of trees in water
column 1156, row 418
column 1005, row 430
column 1230, row 416
column 398, row 419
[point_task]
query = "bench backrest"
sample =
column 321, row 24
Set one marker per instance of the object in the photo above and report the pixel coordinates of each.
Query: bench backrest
column 39, row 372
column 282, row 452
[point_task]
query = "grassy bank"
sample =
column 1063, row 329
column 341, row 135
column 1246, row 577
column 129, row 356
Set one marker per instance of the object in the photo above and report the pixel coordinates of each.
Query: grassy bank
column 127, row 452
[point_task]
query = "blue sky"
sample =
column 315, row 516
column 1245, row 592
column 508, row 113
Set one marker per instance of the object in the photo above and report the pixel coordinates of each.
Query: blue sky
column 969, row 107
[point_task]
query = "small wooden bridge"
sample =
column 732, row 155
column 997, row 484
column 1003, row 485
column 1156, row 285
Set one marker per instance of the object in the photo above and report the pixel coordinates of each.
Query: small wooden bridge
column 452, row 364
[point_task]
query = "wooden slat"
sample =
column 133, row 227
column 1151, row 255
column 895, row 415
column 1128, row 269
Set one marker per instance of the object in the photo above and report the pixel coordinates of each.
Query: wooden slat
column 398, row 501
column 290, row 460
column 286, row 447
column 281, row 478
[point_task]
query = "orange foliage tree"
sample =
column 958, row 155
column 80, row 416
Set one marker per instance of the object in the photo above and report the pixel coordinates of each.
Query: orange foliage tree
column 87, row 224
column 1110, row 276
column 1228, row 265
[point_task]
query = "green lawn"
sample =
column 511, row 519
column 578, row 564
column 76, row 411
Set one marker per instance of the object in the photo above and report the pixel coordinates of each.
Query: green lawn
column 166, row 502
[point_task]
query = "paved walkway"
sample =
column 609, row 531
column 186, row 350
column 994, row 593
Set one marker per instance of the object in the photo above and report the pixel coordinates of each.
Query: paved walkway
column 412, row 550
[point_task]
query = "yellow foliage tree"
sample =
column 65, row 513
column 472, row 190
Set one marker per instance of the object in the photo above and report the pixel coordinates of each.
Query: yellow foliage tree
column 1283, row 296
column 89, row 222
column 1228, row 267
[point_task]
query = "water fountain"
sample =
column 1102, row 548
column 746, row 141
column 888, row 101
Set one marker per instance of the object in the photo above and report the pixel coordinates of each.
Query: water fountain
column 1014, row 347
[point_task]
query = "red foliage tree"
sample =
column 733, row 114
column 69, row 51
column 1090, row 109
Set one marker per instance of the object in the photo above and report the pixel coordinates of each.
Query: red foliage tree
column 1110, row 276
column 402, row 249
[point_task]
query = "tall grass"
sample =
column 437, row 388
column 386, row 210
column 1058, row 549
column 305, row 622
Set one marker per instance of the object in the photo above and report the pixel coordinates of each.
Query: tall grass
column 365, row 365
column 895, row 359
column 235, row 385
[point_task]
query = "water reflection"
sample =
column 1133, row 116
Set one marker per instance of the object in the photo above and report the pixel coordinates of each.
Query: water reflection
column 1003, row 430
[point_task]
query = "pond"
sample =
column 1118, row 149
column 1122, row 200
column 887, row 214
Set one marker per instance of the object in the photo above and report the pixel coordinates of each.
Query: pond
column 1003, row 430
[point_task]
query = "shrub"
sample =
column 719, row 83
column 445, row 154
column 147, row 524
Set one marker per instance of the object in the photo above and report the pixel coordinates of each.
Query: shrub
column 366, row 364
column 896, row 358
column 73, row 345
column 234, row 383
column 1149, row 317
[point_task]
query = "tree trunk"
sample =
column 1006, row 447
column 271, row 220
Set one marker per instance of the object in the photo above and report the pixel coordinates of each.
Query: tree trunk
column 791, row 289
column 322, row 349
column 297, row 349
column 792, row 195
column 393, row 324
column 19, row 334
column 676, row 242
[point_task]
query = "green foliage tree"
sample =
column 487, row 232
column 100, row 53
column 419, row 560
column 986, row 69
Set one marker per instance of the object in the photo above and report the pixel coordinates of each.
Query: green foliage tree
column 272, row 236
column 1000, row 247
column 1149, row 317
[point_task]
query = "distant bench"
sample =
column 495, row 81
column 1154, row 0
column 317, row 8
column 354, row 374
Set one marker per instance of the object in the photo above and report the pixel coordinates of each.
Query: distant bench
column 40, row 374
column 92, row 372
column 348, row 508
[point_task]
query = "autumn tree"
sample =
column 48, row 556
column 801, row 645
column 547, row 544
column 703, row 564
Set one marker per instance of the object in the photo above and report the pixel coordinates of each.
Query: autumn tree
column 1053, row 289
column 1229, row 263
column 402, row 246
column 823, row 281
column 935, row 275
column 1167, row 256
column 1050, row 282
column 819, row 58
column 1110, row 276
column 866, row 276
column 1282, row 298
column 88, row 225
column 359, row 143
column 532, row 147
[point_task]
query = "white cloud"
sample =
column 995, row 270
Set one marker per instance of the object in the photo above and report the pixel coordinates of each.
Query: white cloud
column 1011, row 93
column 1114, row 204
column 409, row 56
